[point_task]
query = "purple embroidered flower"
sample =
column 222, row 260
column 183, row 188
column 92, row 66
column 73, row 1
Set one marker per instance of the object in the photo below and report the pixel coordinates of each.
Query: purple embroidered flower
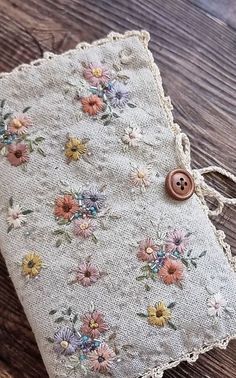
column 177, row 240
column 66, row 341
column 118, row 95
column 93, row 198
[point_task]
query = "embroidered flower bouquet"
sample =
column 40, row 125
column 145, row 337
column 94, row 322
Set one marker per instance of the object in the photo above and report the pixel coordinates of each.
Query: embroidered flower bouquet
column 103, row 219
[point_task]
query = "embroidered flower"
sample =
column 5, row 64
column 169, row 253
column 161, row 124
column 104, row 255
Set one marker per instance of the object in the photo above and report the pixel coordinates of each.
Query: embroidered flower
column 66, row 207
column 92, row 105
column 84, row 227
column 172, row 272
column 216, row 305
column 31, row 265
column 147, row 250
column 102, row 358
column 118, row 95
column 75, row 148
column 66, row 342
column 140, row 177
column 93, row 324
column 18, row 154
column 87, row 274
column 177, row 240
column 96, row 74
column 132, row 136
column 93, row 198
column 15, row 217
column 158, row 315
column 19, row 125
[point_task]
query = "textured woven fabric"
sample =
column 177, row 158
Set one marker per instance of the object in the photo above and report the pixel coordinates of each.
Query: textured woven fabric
column 50, row 87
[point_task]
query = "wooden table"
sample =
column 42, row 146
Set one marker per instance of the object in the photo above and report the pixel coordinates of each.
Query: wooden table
column 194, row 44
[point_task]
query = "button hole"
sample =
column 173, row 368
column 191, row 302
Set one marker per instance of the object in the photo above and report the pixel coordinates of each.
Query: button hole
column 185, row 183
column 178, row 183
column 181, row 179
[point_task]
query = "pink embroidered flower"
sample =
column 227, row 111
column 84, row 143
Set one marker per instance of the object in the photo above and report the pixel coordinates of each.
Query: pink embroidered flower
column 177, row 240
column 132, row 136
column 96, row 74
column 93, row 324
column 84, row 227
column 147, row 250
column 87, row 274
column 101, row 359
column 19, row 125
column 171, row 272
column 140, row 177
column 18, row 154
column 15, row 217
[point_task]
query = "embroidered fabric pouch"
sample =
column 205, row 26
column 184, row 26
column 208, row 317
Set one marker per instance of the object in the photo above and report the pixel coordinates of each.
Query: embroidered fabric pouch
column 116, row 275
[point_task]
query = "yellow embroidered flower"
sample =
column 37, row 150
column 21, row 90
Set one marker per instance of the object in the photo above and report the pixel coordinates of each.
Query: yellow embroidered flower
column 74, row 148
column 31, row 264
column 158, row 315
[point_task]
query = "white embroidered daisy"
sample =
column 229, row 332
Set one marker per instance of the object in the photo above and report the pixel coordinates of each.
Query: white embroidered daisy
column 15, row 217
column 140, row 176
column 132, row 136
column 216, row 305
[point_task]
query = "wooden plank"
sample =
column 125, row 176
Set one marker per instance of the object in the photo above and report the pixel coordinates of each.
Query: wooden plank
column 196, row 55
column 224, row 10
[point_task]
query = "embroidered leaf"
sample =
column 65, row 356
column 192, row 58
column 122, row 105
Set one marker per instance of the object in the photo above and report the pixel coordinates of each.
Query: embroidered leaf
column 95, row 240
column 7, row 115
column 26, row 109
column 3, row 151
column 11, row 201
column 58, row 232
column 39, row 139
column 41, row 152
column 142, row 315
column 189, row 253
column 147, row 287
column 171, row 305
column 107, row 122
column 202, row 254
column 116, row 115
column 58, row 243
column 185, row 262
column 61, row 222
column 27, row 212
column 172, row 325
column 188, row 234
column 10, row 228
column 52, row 312
column 3, row 103
column 104, row 116
column 140, row 278
column 131, row 105
column 59, row 320
column 50, row 339
column 68, row 237
column 75, row 318
column 194, row 263
column 69, row 311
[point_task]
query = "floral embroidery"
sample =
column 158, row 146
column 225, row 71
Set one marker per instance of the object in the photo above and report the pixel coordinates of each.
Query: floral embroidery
column 15, row 143
column 217, row 306
column 159, row 315
column 132, row 136
column 96, row 74
column 140, row 177
column 81, row 207
column 86, row 274
column 166, row 257
column 16, row 216
column 75, row 148
column 85, row 342
column 66, row 341
column 102, row 358
column 92, row 105
column 31, row 265
column 104, row 91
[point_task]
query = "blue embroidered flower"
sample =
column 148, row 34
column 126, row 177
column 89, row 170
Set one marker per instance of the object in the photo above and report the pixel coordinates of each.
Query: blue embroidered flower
column 118, row 95
column 66, row 342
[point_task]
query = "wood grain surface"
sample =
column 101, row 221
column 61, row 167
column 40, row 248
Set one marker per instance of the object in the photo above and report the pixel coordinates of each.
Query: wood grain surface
column 196, row 54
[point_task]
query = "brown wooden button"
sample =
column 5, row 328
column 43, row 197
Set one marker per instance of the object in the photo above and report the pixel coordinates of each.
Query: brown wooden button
column 179, row 184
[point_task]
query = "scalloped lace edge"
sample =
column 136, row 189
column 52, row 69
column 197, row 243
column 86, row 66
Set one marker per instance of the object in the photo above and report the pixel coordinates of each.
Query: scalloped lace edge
column 144, row 37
